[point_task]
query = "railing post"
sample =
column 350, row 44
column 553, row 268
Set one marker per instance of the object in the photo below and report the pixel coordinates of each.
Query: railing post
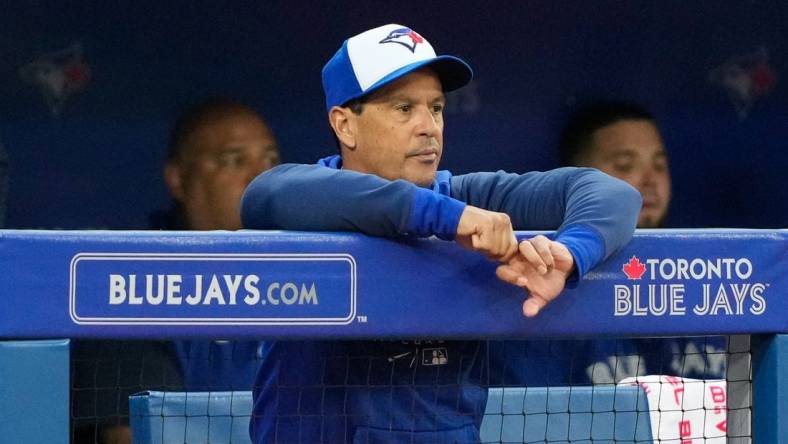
column 770, row 389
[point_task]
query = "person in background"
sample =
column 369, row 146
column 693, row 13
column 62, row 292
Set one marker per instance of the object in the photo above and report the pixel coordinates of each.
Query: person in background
column 622, row 139
column 216, row 148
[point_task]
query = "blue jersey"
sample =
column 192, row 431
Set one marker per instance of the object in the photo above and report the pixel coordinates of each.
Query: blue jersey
column 546, row 363
column 217, row 365
column 416, row 391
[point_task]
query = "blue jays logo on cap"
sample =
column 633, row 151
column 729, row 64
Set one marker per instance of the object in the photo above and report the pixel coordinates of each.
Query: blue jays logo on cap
column 405, row 37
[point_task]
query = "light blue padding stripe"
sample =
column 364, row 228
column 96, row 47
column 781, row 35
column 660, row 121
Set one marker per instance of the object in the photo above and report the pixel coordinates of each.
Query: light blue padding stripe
column 513, row 415
column 604, row 414
column 168, row 417
column 34, row 391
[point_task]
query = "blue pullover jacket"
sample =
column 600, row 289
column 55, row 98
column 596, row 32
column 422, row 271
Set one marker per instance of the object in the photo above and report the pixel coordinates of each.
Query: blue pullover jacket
column 385, row 391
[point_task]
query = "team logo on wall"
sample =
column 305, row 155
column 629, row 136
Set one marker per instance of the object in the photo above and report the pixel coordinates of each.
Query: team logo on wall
column 58, row 75
column 405, row 37
column 723, row 286
column 745, row 78
column 466, row 100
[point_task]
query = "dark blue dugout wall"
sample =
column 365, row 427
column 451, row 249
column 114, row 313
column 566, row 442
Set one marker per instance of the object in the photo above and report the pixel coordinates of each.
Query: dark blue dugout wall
column 96, row 164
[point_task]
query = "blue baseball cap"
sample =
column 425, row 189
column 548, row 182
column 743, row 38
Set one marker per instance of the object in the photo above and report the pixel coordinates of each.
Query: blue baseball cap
column 382, row 55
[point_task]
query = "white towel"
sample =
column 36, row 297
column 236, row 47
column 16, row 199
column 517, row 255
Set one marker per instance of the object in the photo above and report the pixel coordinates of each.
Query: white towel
column 685, row 411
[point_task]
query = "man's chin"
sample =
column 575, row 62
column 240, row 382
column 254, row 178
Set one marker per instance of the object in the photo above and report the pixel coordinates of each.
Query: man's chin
column 650, row 221
column 424, row 181
column 423, row 177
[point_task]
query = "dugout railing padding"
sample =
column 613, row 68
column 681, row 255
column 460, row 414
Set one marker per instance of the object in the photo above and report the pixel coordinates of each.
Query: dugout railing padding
column 114, row 284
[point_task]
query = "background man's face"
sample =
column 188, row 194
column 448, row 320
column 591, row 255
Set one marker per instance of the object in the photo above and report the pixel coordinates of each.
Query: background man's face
column 399, row 134
column 219, row 161
column 632, row 150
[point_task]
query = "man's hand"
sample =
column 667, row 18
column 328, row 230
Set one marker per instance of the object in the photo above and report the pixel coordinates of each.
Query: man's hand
column 487, row 232
column 541, row 268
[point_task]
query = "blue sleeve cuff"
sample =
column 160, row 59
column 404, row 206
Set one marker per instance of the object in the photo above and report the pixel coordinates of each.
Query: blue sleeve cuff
column 434, row 214
column 587, row 247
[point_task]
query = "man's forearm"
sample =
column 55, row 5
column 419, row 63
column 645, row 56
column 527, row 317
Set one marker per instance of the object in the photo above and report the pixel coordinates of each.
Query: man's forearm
column 317, row 198
column 593, row 213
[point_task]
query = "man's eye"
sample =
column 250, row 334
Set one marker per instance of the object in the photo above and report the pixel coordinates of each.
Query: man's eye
column 404, row 108
column 623, row 167
column 437, row 108
column 272, row 157
column 230, row 160
column 661, row 164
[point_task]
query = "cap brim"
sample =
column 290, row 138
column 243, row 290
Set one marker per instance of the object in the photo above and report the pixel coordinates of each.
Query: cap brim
column 452, row 71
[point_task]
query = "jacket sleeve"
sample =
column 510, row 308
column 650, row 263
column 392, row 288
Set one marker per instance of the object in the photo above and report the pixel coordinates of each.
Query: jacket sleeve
column 594, row 214
column 317, row 198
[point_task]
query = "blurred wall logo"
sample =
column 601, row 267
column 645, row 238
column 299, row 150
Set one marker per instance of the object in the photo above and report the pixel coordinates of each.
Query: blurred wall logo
column 466, row 100
column 745, row 78
column 58, row 75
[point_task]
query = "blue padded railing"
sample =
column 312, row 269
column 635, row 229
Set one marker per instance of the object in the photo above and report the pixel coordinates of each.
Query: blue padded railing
column 338, row 285
column 291, row 285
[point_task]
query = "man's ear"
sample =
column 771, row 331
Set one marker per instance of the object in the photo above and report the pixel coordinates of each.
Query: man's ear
column 343, row 122
column 172, row 176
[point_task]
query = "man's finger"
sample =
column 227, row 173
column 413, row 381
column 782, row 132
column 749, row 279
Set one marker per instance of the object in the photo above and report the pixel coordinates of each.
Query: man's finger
column 533, row 305
column 476, row 241
column 511, row 248
column 498, row 245
column 502, row 233
column 542, row 246
column 509, row 275
column 529, row 253
column 559, row 251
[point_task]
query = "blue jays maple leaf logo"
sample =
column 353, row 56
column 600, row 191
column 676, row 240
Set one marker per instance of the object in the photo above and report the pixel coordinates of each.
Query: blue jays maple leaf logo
column 405, row 37
column 634, row 269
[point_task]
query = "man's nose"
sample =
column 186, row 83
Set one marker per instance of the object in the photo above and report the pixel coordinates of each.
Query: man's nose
column 427, row 122
column 648, row 175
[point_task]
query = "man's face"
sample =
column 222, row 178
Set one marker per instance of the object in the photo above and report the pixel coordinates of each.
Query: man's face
column 219, row 160
column 399, row 133
column 632, row 150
